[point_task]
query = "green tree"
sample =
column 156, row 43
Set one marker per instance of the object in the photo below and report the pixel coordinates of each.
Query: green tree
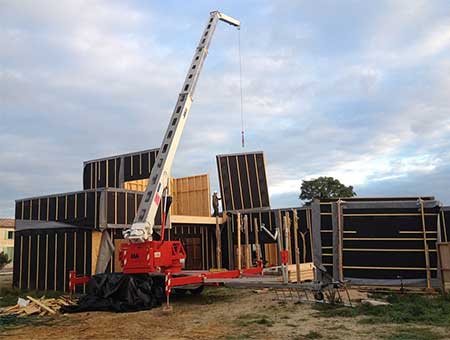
column 4, row 260
column 324, row 187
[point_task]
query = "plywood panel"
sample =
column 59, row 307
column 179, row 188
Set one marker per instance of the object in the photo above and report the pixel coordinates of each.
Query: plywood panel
column 271, row 254
column 444, row 258
column 136, row 185
column 96, row 239
column 191, row 195
column 306, row 272
column 117, row 263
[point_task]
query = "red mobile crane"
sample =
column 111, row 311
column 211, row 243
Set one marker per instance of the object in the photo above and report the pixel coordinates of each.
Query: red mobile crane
column 142, row 254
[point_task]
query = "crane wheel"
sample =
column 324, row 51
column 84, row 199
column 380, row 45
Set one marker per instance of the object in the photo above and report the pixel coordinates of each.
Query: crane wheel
column 318, row 296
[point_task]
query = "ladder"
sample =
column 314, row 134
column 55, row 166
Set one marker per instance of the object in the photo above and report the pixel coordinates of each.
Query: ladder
column 144, row 221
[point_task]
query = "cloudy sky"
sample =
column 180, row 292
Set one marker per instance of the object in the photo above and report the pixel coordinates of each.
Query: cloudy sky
column 358, row 90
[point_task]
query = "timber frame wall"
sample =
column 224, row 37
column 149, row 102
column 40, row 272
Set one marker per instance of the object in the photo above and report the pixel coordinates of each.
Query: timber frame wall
column 382, row 241
column 271, row 218
column 93, row 208
column 112, row 172
column 243, row 181
column 43, row 257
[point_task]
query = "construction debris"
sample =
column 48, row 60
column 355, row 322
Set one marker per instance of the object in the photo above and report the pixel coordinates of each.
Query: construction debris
column 34, row 306
column 374, row 303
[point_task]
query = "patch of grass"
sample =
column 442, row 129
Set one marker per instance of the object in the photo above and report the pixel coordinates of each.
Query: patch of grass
column 413, row 334
column 13, row 321
column 411, row 308
column 313, row 335
column 253, row 318
column 209, row 296
column 9, row 296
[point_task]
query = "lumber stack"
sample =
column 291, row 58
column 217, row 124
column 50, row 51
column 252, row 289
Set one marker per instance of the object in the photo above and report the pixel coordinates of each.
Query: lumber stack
column 306, row 272
column 39, row 307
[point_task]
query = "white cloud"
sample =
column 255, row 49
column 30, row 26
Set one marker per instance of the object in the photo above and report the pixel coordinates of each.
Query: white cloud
column 359, row 93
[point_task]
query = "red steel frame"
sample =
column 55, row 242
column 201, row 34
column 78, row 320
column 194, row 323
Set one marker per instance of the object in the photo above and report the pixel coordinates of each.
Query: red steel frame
column 76, row 280
column 183, row 279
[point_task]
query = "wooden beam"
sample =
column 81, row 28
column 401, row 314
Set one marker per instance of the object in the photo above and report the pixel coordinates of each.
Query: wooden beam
column 238, row 230
column 340, row 239
column 384, row 268
column 258, row 246
column 425, row 244
column 296, row 248
column 46, row 262
column 37, row 262
column 218, row 245
column 21, row 260
column 185, row 219
column 247, row 243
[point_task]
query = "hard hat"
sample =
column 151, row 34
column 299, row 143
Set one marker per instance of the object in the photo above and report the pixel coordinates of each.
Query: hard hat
column 215, row 191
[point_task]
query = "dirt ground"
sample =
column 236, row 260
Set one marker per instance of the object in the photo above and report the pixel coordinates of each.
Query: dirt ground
column 219, row 313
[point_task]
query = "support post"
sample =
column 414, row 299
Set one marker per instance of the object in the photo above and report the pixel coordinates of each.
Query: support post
column 218, row 245
column 286, row 248
column 258, row 246
column 247, row 244
column 238, row 230
column 340, row 241
column 296, row 247
column 316, row 238
column 425, row 244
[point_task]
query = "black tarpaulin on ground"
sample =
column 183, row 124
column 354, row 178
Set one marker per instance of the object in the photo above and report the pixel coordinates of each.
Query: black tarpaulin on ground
column 120, row 292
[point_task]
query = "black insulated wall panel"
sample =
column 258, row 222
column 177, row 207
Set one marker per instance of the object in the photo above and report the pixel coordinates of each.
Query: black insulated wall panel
column 243, row 181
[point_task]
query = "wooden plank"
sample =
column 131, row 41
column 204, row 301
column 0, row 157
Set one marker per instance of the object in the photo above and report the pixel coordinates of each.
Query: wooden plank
column 248, row 182
column 182, row 219
column 218, row 245
column 248, row 260
column 271, row 254
column 41, row 304
column 444, row 261
column 65, row 260
column 239, row 250
column 55, row 272
column 96, row 239
column 46, row 262
column 20, row 261
column 340, row 239
column 444, row 227
column 425, row 245
column 388, row 268
column 233, row 206
column 257, row 180
column 191, row 196
column 258, row 246
column 296, row 248
column 391, row 214
column 29, row 261
column 85, row 260
column 37, row 261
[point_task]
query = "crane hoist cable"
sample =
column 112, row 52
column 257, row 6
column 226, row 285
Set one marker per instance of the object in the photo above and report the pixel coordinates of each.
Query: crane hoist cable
column 240, row 88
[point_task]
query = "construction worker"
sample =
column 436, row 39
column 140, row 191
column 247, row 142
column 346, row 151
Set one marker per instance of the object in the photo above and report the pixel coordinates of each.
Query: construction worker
column 215, row 203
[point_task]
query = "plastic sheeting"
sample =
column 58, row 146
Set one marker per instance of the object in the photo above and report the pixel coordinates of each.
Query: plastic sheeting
column 120, row 292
